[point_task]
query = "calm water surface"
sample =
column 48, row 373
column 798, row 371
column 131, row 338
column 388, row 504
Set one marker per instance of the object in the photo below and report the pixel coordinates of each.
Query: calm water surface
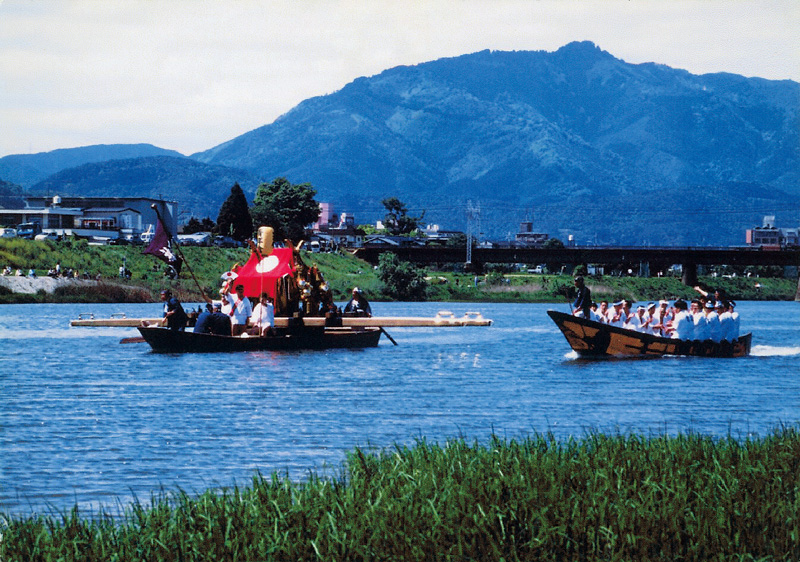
column 85, row 420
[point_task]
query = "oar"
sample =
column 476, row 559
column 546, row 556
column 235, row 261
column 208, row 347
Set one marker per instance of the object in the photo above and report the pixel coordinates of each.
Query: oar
column 137, row 339
column 385, row 333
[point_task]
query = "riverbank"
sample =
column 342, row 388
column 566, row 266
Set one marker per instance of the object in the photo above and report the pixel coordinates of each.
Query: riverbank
column 101, row 265
column 597, row 498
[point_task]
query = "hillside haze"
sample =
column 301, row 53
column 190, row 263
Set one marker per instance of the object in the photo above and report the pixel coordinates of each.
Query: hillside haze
column 579, row 141
column 29, row 169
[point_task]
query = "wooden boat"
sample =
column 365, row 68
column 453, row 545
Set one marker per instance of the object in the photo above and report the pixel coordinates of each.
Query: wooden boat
column 595, row 339
column 165, row 340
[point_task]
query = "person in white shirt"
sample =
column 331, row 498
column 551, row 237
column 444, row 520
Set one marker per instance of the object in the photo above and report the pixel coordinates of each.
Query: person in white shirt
column 660, row 320
column 636, row 321
column 701, row 329
column 616, row 316
column 735, row 316
column 725, row 321
column 263, row 317
column 649, row 312
column 714, row 326
column 239, row 310
column 602, row 312
column 682, row 324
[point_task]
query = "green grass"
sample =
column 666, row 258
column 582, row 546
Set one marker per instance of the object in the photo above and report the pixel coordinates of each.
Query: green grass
column 686, row 497
column 342, row 272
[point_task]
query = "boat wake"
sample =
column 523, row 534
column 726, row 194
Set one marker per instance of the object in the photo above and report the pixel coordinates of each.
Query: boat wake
column 773, row 351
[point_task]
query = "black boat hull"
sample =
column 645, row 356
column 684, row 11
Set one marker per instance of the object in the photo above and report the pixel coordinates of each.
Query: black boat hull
column 594, row 339
column 164, row 340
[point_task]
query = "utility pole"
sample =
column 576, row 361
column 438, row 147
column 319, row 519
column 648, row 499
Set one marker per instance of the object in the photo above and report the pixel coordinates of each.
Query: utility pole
column 473, row 217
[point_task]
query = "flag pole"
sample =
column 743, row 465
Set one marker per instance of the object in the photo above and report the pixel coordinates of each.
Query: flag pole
column 158, row 216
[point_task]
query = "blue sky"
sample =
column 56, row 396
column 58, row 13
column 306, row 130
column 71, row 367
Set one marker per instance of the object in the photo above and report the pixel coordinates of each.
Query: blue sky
column 190, row 74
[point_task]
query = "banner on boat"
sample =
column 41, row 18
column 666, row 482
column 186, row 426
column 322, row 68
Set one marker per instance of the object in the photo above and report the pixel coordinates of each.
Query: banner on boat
column 160, row 247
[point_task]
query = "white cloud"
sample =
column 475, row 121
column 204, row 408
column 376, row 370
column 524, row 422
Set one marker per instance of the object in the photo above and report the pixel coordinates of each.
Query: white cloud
column 190, row 74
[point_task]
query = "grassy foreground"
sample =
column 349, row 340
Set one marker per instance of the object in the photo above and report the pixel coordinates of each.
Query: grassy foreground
column 687, row 497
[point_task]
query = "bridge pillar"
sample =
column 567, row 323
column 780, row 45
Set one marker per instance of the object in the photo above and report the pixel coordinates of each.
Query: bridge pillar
column 689, row 275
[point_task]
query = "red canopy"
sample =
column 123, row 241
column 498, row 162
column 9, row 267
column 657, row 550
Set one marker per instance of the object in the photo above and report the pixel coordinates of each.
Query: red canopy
column 261, row 273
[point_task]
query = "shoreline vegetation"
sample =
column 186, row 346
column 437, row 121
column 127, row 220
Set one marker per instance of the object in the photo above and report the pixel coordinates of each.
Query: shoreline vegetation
column 99, row 280
column 598, row 498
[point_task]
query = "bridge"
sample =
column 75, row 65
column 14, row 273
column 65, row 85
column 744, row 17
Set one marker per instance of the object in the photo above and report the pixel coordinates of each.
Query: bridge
column 636, row 258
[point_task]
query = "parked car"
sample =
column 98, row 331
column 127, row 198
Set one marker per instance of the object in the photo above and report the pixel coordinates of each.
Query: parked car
column 8, row 232
column 28, row 230
column 48, row 236
column 227, row 242
column 196, row 239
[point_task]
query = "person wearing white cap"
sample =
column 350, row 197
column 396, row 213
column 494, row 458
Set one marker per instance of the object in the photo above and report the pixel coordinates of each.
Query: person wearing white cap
column 660, row 320
column 636, row 321
column 735, row 315
column 649, row 311
column 714, row 327
column 358, row 305
column 616, row 316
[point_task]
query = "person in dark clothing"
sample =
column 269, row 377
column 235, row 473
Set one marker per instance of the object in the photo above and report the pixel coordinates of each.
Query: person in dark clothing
column 203, row 323
column 219, row 323
column 583, row 300
column 358, row 305
column 174, row 315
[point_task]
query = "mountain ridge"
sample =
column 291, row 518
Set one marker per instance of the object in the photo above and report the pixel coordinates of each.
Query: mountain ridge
column 554, row 134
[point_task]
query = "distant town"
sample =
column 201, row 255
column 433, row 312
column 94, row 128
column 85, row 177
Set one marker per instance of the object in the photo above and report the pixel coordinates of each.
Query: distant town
column 131, row 220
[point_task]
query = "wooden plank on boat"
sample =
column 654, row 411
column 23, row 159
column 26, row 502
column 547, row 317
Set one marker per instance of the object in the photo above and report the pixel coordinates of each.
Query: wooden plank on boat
column 113, row 322
column 441, row 320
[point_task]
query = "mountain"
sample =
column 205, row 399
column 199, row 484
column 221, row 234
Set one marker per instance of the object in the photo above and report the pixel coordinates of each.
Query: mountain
column 591, row 145
column 29, row 169
column 199, row 188
column 11, row 195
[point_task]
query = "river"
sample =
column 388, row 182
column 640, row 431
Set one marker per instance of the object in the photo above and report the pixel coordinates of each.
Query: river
column 86, row 420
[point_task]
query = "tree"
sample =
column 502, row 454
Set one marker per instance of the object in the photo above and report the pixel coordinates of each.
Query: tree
column 234, row 216
column 194, row 225
column 286, row 207
column 401, row 280
column 397, row 220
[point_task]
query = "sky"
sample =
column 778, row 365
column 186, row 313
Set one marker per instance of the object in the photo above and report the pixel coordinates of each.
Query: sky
column 188, row 75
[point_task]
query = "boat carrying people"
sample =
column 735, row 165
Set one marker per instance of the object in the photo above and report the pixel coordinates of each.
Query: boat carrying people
column 710, row 329
column 304, row 313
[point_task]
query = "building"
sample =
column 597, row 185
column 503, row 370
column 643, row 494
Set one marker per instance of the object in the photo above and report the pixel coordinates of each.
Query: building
column 435, row 235
column 527, row 237
column 332, row 231
column 93, row 217
column 770, row 235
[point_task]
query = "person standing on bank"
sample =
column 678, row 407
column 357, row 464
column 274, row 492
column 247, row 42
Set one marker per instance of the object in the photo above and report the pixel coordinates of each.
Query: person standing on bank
column 240, row 310
column 583, row 300
column 174, row 315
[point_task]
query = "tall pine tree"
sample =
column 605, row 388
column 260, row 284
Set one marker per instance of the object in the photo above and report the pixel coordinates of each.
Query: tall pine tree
column 234, row 216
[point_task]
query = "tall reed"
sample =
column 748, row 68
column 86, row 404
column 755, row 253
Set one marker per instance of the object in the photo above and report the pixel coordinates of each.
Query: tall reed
column 601, row 497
